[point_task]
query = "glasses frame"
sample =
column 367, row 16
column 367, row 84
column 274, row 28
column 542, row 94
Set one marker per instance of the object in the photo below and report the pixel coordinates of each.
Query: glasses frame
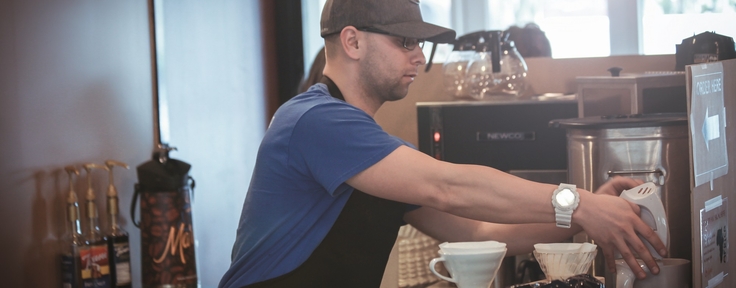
column 419, row 43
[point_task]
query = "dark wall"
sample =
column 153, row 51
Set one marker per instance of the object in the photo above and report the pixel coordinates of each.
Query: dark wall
column 287, row 48
column 75, row 87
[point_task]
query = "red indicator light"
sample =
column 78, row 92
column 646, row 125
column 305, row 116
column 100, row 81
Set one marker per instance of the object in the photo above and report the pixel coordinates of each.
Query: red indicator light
column 436, row 136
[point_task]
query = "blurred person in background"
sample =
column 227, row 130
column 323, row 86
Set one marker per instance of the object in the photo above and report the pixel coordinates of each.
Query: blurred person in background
column 315, row 72
column 530, row 41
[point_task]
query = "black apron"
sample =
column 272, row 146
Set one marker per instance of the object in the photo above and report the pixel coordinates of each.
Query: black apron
column 355, row 251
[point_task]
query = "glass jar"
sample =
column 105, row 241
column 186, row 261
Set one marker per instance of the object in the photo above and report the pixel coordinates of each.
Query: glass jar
column 454, row 72
column 480, row 76
column 456, row 66
column 511, row 80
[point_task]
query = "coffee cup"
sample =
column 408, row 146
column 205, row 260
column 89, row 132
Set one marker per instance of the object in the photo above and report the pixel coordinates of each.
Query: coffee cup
column 673, row 273
column 469, row 269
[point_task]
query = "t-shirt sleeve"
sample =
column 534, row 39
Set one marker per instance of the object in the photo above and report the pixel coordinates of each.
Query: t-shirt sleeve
column 336, row 141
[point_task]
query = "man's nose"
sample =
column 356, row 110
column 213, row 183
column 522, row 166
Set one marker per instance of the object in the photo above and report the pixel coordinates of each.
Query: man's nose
column 418, row 56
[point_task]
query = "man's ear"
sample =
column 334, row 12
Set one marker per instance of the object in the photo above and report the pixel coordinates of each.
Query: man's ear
column 350, row 40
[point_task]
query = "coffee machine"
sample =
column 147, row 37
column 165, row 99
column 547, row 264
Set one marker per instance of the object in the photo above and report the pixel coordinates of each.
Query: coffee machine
column 649, row 147
column 510, row 135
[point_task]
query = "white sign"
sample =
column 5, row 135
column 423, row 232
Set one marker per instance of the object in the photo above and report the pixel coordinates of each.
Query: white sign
column 714, row 242
column 708, row 123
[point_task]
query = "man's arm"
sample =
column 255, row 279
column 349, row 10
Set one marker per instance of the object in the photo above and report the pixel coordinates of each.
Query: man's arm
column 486, row 194
column 520, row 238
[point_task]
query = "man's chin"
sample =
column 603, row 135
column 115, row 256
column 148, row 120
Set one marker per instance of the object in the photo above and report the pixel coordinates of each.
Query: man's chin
column 396, row 98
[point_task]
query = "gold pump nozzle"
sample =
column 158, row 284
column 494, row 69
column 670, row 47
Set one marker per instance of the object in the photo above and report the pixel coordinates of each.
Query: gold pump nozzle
column 89, row 167
column 91, row 206
column 111, row 190
column 72, row 198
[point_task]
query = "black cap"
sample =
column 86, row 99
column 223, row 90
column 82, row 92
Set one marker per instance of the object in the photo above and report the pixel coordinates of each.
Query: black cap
column 397, row 17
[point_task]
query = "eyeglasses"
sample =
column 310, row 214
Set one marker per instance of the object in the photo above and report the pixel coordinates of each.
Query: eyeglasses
column 408, row 43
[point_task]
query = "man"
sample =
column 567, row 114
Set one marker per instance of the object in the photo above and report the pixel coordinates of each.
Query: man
column 330, row 188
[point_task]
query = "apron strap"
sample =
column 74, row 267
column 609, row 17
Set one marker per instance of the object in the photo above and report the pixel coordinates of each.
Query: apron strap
column 334, row 91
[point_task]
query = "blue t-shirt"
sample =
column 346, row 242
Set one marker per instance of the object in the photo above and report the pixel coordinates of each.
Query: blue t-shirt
column 312, row 146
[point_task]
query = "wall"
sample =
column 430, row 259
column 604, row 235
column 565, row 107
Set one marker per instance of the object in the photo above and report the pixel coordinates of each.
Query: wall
column 75, row 87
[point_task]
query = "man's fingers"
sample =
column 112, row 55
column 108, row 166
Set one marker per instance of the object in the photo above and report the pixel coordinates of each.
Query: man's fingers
column 653, row 238
column 636, row 208
column 610, row 260
column 630, row 260
column 643, row 251
column 623, row 183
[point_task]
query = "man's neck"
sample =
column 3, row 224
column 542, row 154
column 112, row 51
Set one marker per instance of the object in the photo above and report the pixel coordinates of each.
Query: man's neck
column 353, row 92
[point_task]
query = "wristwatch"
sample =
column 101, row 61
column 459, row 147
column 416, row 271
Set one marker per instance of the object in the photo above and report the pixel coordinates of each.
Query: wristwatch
column 565, row 199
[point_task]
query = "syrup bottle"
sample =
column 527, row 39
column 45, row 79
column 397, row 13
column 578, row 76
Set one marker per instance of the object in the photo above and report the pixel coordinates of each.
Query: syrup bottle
column 72, row 242
column 118, row 245
column 95, row 261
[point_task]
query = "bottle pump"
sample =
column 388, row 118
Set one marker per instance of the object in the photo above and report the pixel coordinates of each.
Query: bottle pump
column 118, row 245
column 73, row 240
column 95, row 261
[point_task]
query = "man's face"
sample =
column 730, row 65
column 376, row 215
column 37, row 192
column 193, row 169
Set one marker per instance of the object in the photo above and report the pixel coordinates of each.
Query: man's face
column 388, row 68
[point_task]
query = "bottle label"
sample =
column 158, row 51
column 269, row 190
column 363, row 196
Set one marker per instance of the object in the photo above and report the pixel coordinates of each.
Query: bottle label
column 69, row 271
column 95, row 267
column 122, row 263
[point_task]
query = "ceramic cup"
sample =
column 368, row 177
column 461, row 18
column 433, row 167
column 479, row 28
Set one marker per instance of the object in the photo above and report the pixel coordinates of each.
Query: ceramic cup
column 469, row 270
column 673, row 273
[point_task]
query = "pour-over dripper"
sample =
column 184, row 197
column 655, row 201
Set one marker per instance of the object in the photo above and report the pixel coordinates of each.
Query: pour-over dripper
column 561, row 264
column 472, row 247
column 469, row 270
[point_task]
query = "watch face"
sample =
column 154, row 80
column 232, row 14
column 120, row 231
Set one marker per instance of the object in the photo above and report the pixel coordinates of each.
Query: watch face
column 565, row 198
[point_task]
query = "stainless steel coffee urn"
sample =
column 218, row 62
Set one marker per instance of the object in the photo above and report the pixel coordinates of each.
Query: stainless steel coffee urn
column 650, row 147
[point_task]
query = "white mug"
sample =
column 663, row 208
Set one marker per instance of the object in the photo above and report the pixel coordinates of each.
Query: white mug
column 673, row 273
column 469, row 270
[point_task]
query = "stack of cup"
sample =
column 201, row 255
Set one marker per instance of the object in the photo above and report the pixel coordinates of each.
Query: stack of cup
column 470, row 264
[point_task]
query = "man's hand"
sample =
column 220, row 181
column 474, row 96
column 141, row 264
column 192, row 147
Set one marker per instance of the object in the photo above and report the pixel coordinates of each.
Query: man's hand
column 616, row 185
column 614, row 223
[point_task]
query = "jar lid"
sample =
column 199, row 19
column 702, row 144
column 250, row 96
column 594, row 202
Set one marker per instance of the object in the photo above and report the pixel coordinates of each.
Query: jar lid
column 622, row 121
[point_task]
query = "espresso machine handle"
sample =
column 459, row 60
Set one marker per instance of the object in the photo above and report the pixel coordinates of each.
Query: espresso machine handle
column 660, row 178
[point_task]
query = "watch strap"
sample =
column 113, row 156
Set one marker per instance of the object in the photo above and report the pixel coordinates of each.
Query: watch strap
column 563, row 218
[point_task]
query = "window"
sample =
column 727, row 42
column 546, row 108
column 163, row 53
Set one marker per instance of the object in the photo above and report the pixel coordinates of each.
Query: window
column 576, row 28
column 666, row 22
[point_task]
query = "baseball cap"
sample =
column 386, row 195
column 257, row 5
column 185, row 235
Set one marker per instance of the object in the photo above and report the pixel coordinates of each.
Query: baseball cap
column 397, row 17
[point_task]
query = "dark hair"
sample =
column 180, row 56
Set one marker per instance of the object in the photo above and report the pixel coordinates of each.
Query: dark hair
column 530, row 41
column 315, row 72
